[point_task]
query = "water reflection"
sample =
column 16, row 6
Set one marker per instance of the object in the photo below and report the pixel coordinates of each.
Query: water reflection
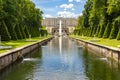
column 20, row 70
column 96, row 69
column 62, row 59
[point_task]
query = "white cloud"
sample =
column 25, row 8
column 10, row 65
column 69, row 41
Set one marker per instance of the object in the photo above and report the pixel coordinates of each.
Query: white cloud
column 48, row 16
column 79, row 14
column 67, row 14
column 65, row 9
column 74, row 0
column 70, row 0
column 78, row 0
column 66, row 6
column 73, row 9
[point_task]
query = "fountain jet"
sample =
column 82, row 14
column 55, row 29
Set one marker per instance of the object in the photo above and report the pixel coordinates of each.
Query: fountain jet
column 60, row 28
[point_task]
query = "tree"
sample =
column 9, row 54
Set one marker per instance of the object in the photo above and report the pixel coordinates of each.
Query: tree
column 4, row 32
column 107, row 30
column 3, row 28
column 19, row 19
column 101, row 18
column 115, row 29
column 10, row 19
column 86, row 13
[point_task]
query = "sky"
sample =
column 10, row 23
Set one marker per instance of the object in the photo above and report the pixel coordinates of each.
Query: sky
column 64, row 8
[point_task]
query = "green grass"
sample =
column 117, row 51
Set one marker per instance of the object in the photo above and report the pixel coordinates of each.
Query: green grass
column 106, row 42
column 20, row 43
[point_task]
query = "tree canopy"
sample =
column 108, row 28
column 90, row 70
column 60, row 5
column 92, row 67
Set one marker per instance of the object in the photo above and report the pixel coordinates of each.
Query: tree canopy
column 101, row 18
column 19, row 19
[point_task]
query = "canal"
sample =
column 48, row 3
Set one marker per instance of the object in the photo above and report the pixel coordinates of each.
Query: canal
column 62, row 59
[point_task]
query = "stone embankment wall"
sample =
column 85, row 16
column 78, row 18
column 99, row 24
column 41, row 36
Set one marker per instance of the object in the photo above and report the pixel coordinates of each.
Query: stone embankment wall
column 108, row 52
column 14, row 55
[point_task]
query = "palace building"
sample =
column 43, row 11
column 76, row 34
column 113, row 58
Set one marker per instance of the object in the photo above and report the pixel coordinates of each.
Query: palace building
column 52, row 25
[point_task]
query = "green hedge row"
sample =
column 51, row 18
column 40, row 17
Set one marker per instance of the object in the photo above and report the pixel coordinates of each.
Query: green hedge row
column 19, row 19
column 101, row 18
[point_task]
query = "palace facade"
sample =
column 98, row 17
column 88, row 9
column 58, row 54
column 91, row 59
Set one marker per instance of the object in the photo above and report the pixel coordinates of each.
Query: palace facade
column 52, row 24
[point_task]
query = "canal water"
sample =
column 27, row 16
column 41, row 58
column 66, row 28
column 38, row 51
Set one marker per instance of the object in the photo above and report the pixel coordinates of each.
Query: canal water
column 62, row 59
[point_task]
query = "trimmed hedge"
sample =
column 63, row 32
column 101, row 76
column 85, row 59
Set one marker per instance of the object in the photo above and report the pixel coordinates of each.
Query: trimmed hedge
column 114, row 30
column 43, row 32
column 18, row 22
column 5, row 36
column 107, row 30
column 118, row 35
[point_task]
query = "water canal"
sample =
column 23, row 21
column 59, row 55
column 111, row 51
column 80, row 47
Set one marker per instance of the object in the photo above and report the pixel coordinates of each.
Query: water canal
column 62, row 59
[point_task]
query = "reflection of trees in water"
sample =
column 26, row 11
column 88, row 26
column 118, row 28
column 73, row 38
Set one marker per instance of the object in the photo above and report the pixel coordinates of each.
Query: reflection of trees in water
column 97, row 69
column 37, row 53
column 19, row 69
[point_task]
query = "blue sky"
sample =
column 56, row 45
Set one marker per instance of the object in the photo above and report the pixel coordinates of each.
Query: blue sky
column 65, row 8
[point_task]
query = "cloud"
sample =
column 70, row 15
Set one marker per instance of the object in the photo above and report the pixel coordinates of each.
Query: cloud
column 44, row 1
column 48, row 9
column 73, row 9
column 75, row 0
column 79, row 14
column 66, row 6
column 78, row 0
column 65, row 13
column 48, row 16
column 69, row 8
column 70, row 0
column 68, row 14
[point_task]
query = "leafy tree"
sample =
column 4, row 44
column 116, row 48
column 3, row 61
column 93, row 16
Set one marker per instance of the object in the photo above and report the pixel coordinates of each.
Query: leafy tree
column 86, row 13
column 115, row 29
column 101, row 18
column 107, row 30
column 10, row 19
column 19, row 19
column 118, row 35
column 4, row 32
column 3, row 28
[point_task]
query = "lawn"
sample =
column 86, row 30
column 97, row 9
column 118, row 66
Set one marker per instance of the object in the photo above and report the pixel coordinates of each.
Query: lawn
column 107, row 42
column 20, row 43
